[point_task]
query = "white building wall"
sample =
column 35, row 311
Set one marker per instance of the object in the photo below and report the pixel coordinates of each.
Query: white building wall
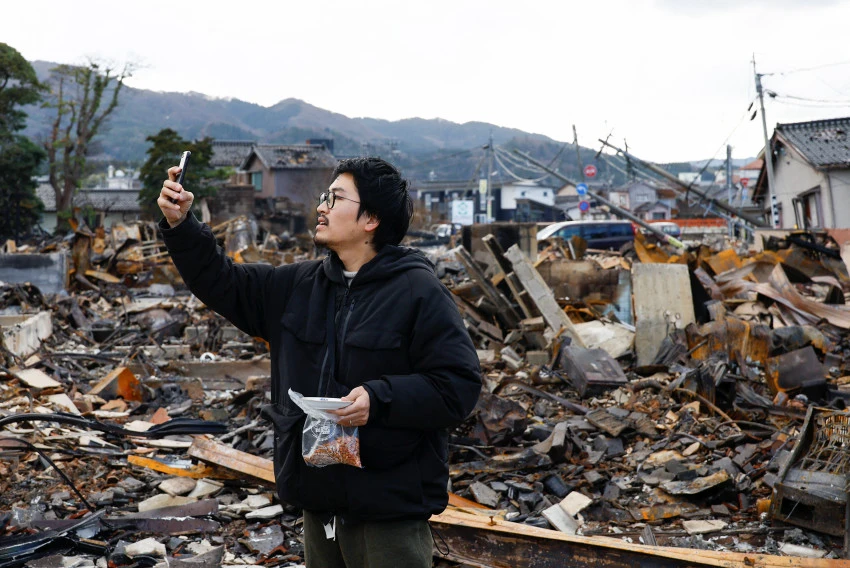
column 511, row 192
column 839, row 181
column 793, row 176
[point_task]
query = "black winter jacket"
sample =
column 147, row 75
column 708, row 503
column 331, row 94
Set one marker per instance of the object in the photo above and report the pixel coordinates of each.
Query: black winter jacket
column 398, row 333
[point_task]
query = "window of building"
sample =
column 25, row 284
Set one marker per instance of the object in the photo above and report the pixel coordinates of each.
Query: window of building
column 257, row 180
column 811, row 209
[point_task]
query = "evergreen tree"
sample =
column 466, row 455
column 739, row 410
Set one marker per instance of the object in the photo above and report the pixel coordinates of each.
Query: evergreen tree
column 166, row 147
column 20, row 208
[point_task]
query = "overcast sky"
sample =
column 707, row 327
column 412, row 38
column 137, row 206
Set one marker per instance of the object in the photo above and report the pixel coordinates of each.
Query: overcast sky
column 672, row 77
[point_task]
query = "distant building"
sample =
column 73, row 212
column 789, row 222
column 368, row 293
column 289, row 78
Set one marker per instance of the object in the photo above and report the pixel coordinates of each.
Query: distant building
column 434, row 198
column 297, row 172
column 619, row 198
column 656, row 211
column 689, row 177
column 639, row 193
column 116, row 200
column 110, row 206
column 525, row 201
column 232, row 154
column 326, row 142
column 811, row 163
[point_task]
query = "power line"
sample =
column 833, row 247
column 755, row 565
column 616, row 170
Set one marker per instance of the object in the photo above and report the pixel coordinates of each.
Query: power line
column 814, row 68
column 638, row 173
column 513, row 175
column 517, row 163
column 809, row 104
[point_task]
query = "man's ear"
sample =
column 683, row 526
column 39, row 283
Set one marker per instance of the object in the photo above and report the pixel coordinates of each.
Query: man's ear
column 372, row 223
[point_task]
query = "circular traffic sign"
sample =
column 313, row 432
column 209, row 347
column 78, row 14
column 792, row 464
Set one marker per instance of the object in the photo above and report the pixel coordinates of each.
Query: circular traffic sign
column 584, row 206
column 590, row 170
column 581, row 188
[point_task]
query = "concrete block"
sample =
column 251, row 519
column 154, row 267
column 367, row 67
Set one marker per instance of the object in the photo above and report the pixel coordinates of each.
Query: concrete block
column 574, row 503
column 48, row 272
column 37, row 379
column 23, row 334
column 662, row 297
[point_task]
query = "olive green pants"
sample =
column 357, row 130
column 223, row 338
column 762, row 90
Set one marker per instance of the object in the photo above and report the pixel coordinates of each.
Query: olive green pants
column 389, row 544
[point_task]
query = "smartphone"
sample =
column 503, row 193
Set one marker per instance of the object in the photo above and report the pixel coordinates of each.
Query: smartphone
column 184, row 165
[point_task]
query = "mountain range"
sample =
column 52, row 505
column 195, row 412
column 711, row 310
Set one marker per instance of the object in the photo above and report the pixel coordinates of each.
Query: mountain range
column 423, row 148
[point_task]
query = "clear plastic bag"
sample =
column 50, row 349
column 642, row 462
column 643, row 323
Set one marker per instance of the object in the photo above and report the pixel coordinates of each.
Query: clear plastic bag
column 323, row 440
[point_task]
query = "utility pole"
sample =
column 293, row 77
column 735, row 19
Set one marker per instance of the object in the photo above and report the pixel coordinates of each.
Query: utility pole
column 490, row 179
column 625, row 214
column 685, row 188
column 768, row 154
column 580, row 168
column 578, row 154
column 729, row 184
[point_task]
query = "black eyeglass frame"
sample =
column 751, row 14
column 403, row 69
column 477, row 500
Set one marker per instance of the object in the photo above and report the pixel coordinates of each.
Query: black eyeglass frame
column 330, row 198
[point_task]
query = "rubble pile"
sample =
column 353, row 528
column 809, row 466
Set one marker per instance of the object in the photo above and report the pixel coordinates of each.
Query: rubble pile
column 694, row 401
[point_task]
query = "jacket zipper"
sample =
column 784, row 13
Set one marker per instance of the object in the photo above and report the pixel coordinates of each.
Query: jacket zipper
column 325, row 384
column 340, row 341
column 341, row 338
column 345, row 327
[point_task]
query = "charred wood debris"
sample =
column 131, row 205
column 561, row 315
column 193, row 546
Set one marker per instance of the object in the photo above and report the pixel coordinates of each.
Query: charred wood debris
column 693, row 400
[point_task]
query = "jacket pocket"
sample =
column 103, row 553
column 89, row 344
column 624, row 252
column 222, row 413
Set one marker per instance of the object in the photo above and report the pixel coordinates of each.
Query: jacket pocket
column 374, row 339
column 383, row 448
column 287, row 451
column 370, row 353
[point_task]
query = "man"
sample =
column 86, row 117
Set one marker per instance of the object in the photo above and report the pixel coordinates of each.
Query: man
column 370, row 323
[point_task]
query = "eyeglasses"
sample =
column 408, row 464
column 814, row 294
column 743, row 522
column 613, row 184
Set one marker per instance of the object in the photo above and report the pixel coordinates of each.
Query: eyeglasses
column 330, row 198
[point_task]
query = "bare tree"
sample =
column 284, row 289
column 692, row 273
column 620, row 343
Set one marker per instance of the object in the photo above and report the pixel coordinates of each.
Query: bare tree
column 84, row 96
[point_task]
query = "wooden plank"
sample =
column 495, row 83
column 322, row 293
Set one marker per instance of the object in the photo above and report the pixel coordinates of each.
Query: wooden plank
column 495, row 543
column 542, row 295
column 199, row 471
column 506, row 311
column 221, row 455
column 521, row 296
column 519, row 293
column 663, row 300
column 498, row 254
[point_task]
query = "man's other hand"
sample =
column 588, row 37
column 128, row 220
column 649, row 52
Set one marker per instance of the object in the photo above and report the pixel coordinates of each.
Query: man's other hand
column 356, row 413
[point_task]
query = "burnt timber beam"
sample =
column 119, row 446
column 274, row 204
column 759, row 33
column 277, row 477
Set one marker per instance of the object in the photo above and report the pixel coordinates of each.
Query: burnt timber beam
column 490, row 542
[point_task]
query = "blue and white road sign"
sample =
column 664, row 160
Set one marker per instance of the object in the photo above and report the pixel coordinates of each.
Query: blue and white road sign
column 581, row 189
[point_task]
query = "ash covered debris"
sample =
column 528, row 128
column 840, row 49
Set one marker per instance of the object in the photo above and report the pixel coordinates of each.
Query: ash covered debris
column 666, row 399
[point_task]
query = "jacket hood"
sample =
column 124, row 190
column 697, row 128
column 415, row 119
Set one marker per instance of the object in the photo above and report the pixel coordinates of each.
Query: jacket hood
column 390, row 260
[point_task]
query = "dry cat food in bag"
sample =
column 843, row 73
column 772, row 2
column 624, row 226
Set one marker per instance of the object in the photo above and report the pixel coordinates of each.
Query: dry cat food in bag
column 323, row 440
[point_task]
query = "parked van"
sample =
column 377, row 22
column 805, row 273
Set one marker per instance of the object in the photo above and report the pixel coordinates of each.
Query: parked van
column 605, row 235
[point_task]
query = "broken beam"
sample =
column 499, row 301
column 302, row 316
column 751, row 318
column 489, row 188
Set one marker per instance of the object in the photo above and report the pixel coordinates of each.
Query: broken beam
column 541, row 295
column 494, row 543
column 248, row 465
